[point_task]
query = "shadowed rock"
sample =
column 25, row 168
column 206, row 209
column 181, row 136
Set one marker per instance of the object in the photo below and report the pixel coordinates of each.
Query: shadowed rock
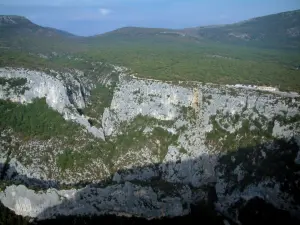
column 250, row 179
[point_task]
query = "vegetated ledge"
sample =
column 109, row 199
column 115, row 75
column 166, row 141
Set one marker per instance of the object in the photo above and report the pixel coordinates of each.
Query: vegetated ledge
column 253, row 210
column 270, row 89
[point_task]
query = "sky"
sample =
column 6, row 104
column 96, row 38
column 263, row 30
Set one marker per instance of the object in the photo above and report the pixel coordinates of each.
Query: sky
column 91, row 17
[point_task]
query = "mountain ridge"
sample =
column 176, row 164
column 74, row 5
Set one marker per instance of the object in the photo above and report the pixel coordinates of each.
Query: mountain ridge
column 297, row 11
column 228, row 33
column 266, row 31
column 14, row 20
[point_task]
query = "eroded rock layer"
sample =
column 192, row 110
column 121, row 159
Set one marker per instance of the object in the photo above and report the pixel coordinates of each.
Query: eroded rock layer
column 145, row 148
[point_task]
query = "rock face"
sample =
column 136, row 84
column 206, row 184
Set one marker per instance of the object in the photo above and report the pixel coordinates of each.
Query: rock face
column 11, row 20
column 62, row 92
column 158, row 147
column 123, row 199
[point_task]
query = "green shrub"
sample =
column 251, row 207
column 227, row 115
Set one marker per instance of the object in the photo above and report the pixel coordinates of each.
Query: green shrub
column 36, row 119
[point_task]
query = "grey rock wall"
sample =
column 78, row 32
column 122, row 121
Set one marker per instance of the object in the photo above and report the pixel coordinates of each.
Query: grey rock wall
column 62, row 92
column 123, row 199
column 184, row 135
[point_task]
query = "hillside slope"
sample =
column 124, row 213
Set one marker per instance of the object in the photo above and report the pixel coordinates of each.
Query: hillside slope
column 280, row 30
column 261, row 51
column 277, row 31
column 18, row 32
column 198, row 54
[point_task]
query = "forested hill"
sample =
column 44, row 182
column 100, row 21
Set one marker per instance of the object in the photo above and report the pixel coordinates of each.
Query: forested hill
column 260, row 51
column 280, row 30
column 19, row 33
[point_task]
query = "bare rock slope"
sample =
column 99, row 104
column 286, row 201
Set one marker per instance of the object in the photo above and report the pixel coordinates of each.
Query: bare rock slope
column 152, row 149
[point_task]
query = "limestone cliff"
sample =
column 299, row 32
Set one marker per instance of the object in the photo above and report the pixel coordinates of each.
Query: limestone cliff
column 154, row 147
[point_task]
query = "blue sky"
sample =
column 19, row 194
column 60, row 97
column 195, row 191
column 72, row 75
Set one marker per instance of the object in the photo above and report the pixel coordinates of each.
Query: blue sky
column 90, row 17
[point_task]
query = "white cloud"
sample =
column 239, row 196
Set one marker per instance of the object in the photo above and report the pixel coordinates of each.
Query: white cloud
column 104, row 11
column 223, row 16
column 88, row 14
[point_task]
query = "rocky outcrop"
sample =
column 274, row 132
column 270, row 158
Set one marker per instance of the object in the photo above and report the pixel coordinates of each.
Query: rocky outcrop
column 11, row 20
column 164, row 144
column 63, row 93
column 122, row 199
